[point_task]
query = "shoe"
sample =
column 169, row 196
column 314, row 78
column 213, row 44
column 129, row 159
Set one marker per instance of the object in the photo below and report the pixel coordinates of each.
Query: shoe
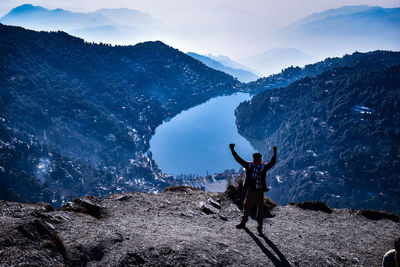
column 259, row 229
column 240, row 226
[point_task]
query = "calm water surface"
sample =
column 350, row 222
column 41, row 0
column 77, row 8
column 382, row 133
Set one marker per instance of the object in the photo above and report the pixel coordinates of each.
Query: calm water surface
column 196, row 141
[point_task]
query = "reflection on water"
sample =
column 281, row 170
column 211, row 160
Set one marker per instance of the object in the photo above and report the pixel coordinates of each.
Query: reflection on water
column 196, row 141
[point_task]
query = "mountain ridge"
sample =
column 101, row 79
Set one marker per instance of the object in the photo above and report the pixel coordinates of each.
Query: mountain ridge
column 241, row 74
column 292, row 74
column 83, row 113
column 344, row 10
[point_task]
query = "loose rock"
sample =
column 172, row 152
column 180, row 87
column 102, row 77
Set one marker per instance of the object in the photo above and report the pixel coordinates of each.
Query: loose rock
column 84, row 206
column 214, row 203
column 208, row 209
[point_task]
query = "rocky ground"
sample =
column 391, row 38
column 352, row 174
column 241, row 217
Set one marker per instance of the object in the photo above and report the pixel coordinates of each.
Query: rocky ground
column 186, row 226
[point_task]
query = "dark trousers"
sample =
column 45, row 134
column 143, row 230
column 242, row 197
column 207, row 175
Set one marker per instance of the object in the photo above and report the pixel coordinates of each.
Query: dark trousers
column 253, row 197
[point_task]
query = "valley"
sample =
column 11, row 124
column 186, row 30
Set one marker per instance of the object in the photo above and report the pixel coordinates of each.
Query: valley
column 77, row 119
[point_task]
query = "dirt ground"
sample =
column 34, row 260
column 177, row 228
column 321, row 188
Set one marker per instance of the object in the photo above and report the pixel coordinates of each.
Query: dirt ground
column 181, row 227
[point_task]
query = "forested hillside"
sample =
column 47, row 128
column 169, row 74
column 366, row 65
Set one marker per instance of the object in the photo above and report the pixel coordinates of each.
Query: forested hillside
column 338, row 134
column 76, row 117
column 291, row 74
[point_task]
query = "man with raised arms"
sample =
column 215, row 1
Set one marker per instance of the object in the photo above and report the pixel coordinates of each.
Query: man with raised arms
column 255, row 185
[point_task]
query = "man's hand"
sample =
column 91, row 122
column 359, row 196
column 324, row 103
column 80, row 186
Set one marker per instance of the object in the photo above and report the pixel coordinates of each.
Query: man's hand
column 231, row 146
column 275, row 149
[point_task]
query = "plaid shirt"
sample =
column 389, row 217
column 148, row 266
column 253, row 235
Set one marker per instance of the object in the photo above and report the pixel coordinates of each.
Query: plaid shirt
column 256, row 174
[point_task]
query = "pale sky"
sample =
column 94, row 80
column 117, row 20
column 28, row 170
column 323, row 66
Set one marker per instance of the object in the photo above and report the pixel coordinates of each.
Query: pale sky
column 227, row 27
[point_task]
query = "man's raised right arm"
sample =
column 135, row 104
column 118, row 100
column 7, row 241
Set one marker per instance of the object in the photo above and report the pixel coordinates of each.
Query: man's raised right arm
column 241, row 161
column 272, row 162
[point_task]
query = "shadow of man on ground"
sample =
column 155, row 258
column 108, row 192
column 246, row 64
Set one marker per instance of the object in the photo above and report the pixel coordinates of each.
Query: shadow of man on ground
column 279, row 262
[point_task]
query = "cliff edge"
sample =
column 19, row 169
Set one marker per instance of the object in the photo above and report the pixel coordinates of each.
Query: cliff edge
column 186, row 226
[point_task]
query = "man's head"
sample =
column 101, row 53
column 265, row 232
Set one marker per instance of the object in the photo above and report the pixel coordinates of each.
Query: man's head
column 397, row 245
column 257, row 158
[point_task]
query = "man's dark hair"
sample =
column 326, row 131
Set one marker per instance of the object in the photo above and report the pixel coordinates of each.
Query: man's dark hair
column 257, row 155
column 397, row 244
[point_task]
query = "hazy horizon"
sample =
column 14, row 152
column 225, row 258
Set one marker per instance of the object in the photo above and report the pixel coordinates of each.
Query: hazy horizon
column 231, row 28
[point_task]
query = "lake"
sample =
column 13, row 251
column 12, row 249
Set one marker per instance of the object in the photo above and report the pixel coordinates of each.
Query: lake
column 196, row 141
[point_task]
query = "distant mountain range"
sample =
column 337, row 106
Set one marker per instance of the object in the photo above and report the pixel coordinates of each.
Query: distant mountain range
column 116, row 26
column 337, row 131
column 39, row 18
column 345, row 30
column 230, row 63
column 126, row 16
column 241, row 74
column 333, row 32
column 275, row 60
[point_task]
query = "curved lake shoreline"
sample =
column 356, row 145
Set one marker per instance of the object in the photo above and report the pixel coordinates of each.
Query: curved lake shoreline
column 196, row 140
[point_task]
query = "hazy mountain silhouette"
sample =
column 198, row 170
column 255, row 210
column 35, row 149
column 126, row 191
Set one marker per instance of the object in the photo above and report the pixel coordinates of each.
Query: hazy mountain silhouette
column 230, row 63
column 116, row 26
column 241, row 74
column 275, row 60
column 345, row 10
column 333, row 32
column 345, row 30
column 125, row 16
column 39, row 18
column 110, row 33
